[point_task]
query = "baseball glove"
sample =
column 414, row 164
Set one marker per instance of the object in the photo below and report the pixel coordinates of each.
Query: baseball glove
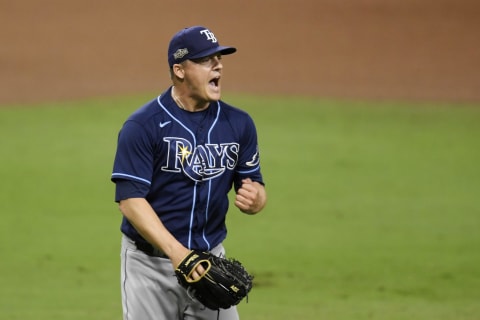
column 224, row 283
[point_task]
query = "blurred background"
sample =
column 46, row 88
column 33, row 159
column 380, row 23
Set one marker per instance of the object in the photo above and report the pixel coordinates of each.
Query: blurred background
column 381, row 49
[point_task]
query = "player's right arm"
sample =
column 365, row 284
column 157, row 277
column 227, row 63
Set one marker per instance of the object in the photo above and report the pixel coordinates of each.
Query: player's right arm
column 133, row 168
column 142, row 216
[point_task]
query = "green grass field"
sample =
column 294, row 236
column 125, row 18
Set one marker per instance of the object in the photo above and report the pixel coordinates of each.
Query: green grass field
column 373, row 212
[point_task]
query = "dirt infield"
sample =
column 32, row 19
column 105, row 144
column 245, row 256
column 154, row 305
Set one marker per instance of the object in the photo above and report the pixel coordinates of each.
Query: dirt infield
column 368, row 49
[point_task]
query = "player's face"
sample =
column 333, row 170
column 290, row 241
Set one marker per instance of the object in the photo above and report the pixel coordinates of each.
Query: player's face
column 202, row 76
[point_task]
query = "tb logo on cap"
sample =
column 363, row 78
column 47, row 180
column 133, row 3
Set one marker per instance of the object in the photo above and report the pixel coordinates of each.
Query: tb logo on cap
column 209, row 34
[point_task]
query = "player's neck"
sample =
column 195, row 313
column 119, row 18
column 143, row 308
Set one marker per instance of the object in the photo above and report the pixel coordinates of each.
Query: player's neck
column 185, row 106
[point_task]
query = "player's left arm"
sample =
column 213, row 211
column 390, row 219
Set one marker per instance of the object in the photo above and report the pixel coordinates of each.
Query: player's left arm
column 251, row 197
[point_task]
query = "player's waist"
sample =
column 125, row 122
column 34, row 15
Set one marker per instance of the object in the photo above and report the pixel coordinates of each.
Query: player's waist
column 152, row 251
column 202, row 240
column 143, row 246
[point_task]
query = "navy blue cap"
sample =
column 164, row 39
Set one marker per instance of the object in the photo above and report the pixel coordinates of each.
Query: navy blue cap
column 193, row 43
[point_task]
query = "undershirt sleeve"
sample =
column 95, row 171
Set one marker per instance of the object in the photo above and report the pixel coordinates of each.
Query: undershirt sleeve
column 125, row 189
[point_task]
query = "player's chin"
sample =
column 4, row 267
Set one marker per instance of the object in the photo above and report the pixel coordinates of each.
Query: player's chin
column 214, row 91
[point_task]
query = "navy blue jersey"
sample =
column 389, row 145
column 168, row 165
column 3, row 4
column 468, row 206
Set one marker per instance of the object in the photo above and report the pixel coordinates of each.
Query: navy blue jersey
column 187, row 162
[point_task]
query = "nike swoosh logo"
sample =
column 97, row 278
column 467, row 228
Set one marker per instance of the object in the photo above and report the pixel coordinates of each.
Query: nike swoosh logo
column 163, row 124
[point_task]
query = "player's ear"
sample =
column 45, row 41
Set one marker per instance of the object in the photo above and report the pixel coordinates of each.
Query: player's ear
column 178, row 71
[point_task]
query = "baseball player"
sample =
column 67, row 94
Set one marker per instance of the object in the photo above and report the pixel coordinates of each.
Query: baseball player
column 177, row 158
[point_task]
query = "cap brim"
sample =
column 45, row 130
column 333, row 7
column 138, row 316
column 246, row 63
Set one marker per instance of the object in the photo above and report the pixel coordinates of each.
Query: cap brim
column 223, row 50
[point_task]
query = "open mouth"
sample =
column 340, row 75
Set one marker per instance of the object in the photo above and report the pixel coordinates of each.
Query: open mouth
column 214, row 82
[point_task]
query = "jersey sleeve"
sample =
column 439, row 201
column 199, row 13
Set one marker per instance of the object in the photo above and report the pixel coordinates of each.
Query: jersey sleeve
column 249, row 156
column 134, row 155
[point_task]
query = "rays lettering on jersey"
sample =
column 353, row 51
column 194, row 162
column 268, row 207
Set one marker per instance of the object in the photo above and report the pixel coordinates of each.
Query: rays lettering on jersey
column 204, row 162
